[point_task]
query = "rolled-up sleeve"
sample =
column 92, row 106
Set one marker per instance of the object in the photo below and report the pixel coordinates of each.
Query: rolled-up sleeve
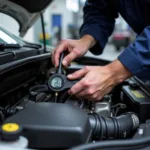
column 99, row 21
column 136, row 57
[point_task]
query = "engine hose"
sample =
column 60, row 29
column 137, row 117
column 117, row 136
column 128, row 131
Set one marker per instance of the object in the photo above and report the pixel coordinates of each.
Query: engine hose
column 38, row 88
column 131, row 144
column 113, row 127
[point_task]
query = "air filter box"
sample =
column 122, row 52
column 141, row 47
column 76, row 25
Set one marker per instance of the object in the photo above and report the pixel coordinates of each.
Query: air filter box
column 51, row 125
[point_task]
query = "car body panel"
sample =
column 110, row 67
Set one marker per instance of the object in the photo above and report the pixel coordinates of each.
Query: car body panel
column 24, row 12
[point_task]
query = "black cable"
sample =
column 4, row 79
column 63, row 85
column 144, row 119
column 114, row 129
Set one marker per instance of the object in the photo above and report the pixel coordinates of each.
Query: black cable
column 43, row 30
column 123, row 106
column 60, row 67
column 118, row 107
column 116, row 144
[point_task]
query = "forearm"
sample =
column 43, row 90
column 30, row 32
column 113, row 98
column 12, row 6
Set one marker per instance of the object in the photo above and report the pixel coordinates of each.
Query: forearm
column 118, row 72
column 89, row 40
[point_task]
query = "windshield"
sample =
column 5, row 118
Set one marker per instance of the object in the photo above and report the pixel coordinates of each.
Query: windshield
column 8, row 38
column 4, row 38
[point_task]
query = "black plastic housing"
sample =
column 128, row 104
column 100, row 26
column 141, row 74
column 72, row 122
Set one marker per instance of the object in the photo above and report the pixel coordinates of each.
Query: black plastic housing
column 50, row 125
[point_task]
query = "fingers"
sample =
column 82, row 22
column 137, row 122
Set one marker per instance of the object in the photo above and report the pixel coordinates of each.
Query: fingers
column 92, row 97
column 96, row 96
column 76, row 88
column 75, row 49
column 81, row 94
column 88, row 93
column 57, row 53
column 69, row 58
column 78, row 74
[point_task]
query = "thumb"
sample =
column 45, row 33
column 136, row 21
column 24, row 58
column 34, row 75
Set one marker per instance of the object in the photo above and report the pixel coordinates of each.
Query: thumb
column 77, row 74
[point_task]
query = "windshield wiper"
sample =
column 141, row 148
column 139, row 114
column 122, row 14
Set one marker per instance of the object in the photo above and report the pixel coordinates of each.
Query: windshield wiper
column 4, row 46
column 32, row 46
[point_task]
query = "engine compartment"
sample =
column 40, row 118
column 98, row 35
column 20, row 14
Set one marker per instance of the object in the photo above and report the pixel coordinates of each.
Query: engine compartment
column 27, row 100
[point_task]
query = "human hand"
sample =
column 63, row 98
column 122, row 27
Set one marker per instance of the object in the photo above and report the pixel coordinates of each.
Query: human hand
column 75, row 48
column 98, row 81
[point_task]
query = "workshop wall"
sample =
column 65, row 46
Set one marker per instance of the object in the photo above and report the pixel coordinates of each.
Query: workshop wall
column 59, row 7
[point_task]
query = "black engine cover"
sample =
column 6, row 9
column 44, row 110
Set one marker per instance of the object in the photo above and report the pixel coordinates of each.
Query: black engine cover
column 50, row 125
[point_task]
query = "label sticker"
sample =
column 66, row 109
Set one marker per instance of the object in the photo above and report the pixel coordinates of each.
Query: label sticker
column 138, row 94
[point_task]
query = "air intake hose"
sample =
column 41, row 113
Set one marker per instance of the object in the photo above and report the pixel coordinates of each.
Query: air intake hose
column 113, row 127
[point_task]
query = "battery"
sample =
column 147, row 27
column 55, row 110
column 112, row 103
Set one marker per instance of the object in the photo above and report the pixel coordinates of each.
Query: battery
column 137, row 101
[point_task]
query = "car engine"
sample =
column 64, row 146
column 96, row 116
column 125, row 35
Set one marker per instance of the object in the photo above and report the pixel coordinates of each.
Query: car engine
column 34, row 95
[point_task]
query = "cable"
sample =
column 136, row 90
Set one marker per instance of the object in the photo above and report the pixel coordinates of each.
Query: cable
column 123, row 106
column 60, row 67
column 43, row 29
column 116, row 144
column 117, row 107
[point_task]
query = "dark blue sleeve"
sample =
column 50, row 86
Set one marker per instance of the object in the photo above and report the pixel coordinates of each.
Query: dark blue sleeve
column 136, row 57
column 99, row 20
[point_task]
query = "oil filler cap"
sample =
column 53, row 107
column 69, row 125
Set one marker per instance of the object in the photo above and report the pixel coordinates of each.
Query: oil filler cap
column 10, row 131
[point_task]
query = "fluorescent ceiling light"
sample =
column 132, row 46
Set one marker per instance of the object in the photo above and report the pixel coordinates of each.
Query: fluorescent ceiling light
column 72, row 5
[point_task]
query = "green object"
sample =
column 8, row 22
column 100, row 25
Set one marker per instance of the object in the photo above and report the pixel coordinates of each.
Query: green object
column 47, row 38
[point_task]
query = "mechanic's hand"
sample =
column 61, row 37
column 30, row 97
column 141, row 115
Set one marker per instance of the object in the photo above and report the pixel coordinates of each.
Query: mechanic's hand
column 76, row 49
column 98, row 81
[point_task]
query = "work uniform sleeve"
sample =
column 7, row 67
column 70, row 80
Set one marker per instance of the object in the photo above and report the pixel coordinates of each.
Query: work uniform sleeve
column 99, row 20
column 136, row 56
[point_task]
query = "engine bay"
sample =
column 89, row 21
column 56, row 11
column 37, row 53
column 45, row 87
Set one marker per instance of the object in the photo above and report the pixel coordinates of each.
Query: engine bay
column 34, row 95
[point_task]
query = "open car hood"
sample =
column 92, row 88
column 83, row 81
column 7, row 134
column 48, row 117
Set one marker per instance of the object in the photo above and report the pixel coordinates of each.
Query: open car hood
column 26, row 12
